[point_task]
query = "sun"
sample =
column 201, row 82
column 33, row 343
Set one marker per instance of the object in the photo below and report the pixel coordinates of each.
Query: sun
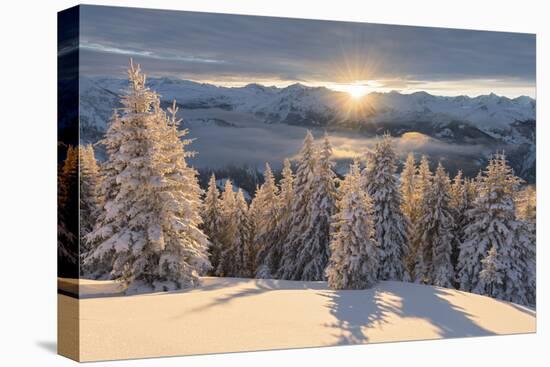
column 356, row 91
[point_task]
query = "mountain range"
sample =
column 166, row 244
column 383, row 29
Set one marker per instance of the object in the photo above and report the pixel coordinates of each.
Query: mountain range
column 491, row 121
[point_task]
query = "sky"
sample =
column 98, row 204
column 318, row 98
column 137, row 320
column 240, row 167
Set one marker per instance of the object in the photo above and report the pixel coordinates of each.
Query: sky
column 358, row 58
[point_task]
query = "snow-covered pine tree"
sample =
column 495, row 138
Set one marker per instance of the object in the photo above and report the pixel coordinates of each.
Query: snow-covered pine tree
column 491, row 272
column 255, row 216
column 458, row 207
column 435, row 228
column 408, row 187
column 89, row 194
column 186, row 246
column 463, row 194
column 270, row 260
column 354, row 254
column 101, row 266
column 300, row 217
column 313, row 254
column 410, row 204
column 265, row 207
column 245, row 248
column 228, row 228
column 67, row 222
column 239, row 248
column 212, row 221
column 389, row 222
column 151, row 224
column 423, row 186
column 530, row 256
column 493, row 224
column 526, row 202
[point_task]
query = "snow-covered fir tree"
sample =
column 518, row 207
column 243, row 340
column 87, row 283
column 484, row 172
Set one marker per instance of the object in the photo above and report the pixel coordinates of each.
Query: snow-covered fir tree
column 423, row 185
column 354, row 254
column 493, row 225
column 457, row 191
column 408, row 188
column 526, row 204
column 244, row 239
column 300, row 217
column 265, row 209
column 435, row 230
column 410, row 203
column 108, row 214
column 530, row 256
column 389, row 222
column 463, row 194
column 67, row 221
column 268, row 261
column 313, row 254
column 89, row 194
column 228, row 227
column 526, row 207
column 212, row 221
column 151, row 225
column 491, row 273
column 239, row 249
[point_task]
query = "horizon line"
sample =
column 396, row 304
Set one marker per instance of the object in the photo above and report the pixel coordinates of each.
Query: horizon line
column 281, row 86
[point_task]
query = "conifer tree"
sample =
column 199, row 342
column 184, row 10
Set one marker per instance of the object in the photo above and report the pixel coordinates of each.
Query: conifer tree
column 228, row 228
column 354, row 254
column 493, row 225
column 408, row 188
column 67, row 225
column 89, row 194
column 491, row 273
column 212, row 221
column 526, row 212
column 389, row 222
column 526, row 204
column 410, row 204
column 435, row 228
column 265, row 208
column 238, row 248
column 313, row 253
column 463, row 195
column 300, row 217
column 423, row 186
column 270, row 260
column 150, row 227
column 107, row 220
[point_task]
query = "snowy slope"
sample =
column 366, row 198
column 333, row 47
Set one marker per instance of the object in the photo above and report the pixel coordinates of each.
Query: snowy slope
column 230, row 314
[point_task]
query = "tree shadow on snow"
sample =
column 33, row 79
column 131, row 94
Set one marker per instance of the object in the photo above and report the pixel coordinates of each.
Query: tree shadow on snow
column 355, row 309
column 359, row 309
column 256, row 287
column 526, row 310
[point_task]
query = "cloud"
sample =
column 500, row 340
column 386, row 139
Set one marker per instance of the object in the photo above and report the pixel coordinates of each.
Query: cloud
column 253, row 143
column 221, row 47
column 147, row 54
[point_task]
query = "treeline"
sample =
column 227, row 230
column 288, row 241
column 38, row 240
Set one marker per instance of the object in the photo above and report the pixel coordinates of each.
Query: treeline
column 246, row 177
column 145, row 220
column 476, row 235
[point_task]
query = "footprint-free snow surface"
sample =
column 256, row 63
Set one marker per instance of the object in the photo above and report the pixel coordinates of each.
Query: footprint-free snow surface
column 231, row 314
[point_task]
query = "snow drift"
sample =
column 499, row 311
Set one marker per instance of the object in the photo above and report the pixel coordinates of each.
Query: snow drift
column 233, row 314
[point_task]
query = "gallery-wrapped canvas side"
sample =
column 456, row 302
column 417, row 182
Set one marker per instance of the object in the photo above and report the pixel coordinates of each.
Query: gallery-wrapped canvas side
column 67, row 183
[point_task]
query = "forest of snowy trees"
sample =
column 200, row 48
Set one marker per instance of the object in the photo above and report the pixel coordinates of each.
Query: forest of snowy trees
column 145, row 220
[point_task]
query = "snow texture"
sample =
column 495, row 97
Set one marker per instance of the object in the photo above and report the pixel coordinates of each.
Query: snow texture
column 232, row 314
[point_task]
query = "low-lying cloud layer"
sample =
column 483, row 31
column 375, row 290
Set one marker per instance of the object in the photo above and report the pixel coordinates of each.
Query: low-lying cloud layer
column 253, row 142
